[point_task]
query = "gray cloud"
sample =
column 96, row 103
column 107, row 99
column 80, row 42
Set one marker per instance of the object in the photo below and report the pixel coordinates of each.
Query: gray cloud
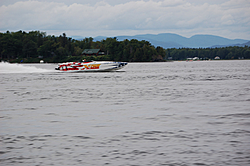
column 228, row 18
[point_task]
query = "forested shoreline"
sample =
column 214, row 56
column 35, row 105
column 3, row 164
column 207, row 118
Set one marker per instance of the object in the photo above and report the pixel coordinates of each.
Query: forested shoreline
column 34, row 46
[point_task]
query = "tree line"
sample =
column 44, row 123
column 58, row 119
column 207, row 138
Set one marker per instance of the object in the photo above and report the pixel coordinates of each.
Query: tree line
column 21, row 46
column 209, row 53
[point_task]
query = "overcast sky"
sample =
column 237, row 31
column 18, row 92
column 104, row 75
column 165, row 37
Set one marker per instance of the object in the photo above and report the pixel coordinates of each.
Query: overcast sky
column 226, row 18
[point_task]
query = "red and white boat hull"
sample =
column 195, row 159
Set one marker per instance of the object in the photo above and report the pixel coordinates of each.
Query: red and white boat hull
column 90, row 66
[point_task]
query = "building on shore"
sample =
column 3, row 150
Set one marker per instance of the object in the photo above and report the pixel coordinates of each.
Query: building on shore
column 93, row 52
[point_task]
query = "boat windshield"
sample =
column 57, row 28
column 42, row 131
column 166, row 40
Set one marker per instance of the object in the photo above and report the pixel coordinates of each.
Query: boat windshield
column 87, row 60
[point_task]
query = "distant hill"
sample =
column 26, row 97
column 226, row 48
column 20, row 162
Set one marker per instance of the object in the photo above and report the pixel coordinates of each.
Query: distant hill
column 77, row 37
column 170, row 40
column 238, row 45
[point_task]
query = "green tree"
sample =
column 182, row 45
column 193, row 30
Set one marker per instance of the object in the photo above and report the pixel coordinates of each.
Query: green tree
column 9, row 46
column 46, row 50
column 247, row 54
column 29, row 48
column 61, row 54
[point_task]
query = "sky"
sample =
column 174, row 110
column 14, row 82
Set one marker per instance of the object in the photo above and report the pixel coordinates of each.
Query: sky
column 91, row 18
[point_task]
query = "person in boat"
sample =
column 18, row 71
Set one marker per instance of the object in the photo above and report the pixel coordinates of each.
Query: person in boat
column 84, row 60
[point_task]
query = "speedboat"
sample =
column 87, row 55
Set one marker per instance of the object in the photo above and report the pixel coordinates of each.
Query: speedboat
column 85, row 66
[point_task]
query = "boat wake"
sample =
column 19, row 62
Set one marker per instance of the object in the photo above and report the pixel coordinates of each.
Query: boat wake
column 6, row 67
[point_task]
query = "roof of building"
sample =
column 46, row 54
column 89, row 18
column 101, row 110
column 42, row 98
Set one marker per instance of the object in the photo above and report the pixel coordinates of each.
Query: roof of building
column 90, row 51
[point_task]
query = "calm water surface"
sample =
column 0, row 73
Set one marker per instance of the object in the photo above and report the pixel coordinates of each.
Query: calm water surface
column 147, row 114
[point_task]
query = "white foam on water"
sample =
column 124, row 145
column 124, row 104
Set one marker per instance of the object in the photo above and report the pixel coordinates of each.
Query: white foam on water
column 6, row 67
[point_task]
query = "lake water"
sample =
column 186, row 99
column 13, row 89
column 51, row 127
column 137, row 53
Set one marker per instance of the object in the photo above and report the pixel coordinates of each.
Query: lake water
column 147, row 114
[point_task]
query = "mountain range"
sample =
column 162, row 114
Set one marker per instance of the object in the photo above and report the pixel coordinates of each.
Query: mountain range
column 170, row 40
